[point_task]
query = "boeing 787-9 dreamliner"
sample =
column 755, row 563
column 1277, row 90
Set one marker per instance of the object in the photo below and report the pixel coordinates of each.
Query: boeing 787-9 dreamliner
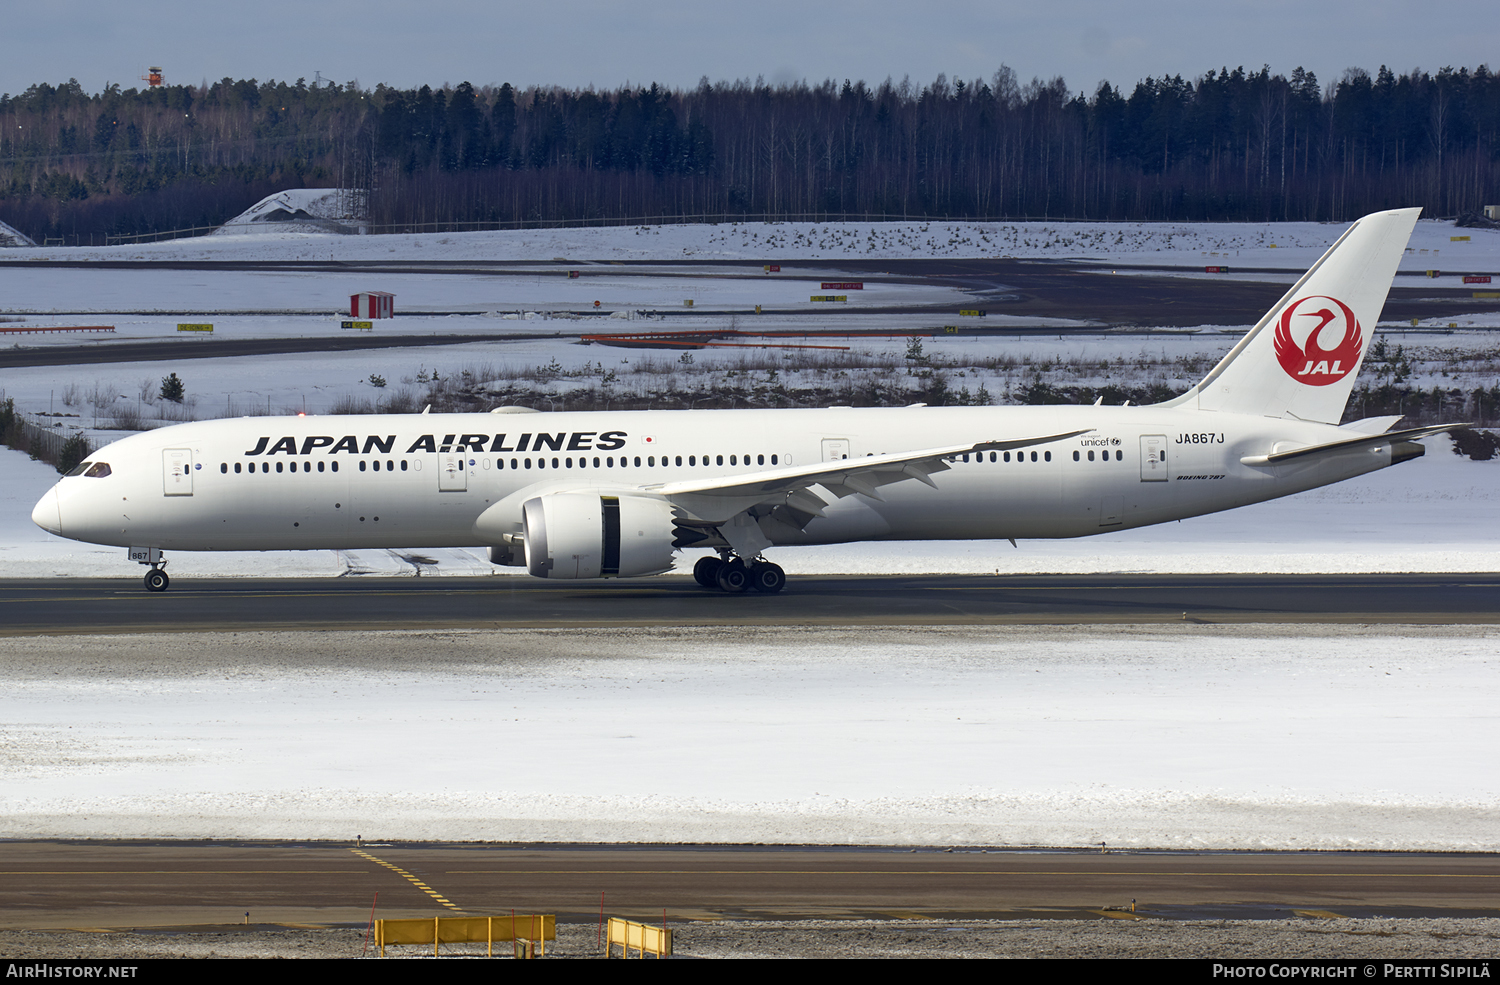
column 607, row 494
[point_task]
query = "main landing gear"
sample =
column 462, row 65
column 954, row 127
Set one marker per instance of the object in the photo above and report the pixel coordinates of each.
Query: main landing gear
column 731, row 574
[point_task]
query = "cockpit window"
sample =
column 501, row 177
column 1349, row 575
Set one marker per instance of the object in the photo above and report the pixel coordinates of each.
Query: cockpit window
column 79, row 470
column 97, row 471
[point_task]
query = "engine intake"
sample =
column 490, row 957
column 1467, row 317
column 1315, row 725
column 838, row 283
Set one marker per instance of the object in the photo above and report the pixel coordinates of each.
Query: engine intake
column 588, row 535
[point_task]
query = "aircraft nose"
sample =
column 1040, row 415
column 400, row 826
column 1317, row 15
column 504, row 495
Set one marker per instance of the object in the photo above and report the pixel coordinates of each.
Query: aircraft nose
column 47, row 514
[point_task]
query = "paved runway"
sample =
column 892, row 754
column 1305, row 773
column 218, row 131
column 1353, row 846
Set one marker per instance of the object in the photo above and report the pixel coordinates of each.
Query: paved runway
column 49, row 885
column 114, row 605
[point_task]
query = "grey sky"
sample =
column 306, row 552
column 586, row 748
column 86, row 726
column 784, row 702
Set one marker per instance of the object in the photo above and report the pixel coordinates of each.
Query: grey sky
column 587, row 42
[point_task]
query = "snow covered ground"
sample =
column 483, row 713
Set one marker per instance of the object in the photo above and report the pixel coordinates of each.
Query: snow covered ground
column 295, row 209
column 11, row 237
column 1186, row 244
column 102, row 291
column 1193, row 737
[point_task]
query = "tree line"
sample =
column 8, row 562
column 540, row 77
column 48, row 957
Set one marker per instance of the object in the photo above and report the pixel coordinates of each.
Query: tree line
column 1228, row 145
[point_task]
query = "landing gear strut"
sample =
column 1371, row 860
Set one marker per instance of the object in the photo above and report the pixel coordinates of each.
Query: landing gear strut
column 731, row 574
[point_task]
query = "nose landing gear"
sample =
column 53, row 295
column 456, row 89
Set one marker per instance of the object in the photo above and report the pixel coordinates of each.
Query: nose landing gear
column 730, row 574
column 156, row 578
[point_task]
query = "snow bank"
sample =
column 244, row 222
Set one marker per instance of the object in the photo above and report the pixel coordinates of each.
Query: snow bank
column 305, row 210
column 10, row 236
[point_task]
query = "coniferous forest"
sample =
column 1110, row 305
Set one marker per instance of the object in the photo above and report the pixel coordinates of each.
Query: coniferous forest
column 1229, row 145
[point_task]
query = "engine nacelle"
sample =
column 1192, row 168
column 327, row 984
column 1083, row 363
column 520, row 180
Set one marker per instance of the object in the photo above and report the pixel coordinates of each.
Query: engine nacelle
column 590, row 535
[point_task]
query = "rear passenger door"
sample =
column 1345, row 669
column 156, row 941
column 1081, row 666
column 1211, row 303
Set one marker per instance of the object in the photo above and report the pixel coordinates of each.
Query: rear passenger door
column 1153, row 458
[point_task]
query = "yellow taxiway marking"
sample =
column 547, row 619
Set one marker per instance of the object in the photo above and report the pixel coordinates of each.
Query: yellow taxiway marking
column 409, row 878
column 1322, row 914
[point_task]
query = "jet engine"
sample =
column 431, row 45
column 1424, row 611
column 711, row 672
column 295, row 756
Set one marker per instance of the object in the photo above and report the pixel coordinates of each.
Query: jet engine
column 589, row 535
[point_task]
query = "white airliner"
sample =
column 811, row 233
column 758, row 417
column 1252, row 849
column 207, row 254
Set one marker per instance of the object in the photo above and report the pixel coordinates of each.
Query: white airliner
column 605, row 494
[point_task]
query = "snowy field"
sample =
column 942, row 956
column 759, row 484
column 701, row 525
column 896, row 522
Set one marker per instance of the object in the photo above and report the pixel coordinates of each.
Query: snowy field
column 1191, row 737
column 1187, row 244
column 102, row 291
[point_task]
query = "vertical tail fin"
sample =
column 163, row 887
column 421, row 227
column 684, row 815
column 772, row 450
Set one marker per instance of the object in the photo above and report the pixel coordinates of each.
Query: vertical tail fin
column 1301, row 359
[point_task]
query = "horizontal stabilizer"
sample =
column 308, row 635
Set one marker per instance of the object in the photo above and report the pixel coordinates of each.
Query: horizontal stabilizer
column 1373, row 440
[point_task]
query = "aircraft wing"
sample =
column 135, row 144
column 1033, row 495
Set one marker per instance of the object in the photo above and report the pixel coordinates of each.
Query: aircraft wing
column 716, row 500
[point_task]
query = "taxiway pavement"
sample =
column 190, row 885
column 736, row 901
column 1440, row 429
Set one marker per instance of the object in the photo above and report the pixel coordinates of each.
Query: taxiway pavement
column 106, row 885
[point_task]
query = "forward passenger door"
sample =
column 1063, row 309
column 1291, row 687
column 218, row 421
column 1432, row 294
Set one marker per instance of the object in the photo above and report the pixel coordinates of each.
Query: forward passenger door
column 453, row 473
column 177, row 471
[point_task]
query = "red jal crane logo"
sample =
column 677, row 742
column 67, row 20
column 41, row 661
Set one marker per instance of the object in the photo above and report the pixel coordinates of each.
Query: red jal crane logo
column 1316, row 319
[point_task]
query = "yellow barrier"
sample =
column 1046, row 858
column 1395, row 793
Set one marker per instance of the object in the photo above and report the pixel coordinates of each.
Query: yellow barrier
column 643, row 937
column 1458, row 239
column 189, row 327
column 1487, row 294
column 523, row 929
